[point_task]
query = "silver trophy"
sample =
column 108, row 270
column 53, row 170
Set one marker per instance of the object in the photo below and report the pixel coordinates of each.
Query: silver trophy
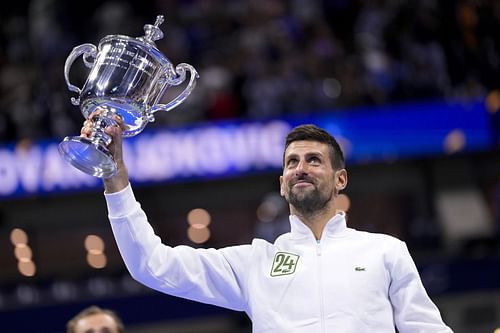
column 128, row 77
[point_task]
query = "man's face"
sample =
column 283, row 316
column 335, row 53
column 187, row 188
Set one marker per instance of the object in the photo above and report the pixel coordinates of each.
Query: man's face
column 96, row 323
column 309, row 181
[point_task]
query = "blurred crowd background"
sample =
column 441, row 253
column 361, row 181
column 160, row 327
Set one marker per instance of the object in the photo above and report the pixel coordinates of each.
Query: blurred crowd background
column 261, row 59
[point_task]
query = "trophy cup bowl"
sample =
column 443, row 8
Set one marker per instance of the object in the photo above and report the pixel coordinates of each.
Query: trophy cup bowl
column 128, row 77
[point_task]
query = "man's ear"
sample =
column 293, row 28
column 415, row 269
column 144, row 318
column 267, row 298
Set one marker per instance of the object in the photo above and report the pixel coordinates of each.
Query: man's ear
column 282, row 191
column 340, row 180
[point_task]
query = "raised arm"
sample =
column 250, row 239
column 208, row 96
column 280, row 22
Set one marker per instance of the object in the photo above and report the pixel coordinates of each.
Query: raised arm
column 206, row 275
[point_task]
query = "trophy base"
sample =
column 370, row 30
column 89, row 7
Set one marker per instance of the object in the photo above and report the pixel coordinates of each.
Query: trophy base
column 87, row 156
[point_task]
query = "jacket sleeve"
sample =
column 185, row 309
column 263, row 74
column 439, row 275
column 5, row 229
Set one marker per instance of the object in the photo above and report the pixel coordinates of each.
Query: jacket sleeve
column 414, row 311
column 205, row 275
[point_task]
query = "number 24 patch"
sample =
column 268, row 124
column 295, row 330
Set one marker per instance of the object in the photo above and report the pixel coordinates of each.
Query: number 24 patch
column 284, row 263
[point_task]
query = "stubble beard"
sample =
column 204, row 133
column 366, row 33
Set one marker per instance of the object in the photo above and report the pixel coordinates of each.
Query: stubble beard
column 308, row 204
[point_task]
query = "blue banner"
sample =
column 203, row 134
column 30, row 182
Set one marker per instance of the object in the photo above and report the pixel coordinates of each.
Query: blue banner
column 236, row 148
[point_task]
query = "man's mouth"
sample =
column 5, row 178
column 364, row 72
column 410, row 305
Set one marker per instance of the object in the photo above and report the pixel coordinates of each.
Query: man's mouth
column 302, row 183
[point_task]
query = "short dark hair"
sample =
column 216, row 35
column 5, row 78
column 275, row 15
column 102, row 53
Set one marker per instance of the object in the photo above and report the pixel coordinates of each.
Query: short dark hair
column 90, row 311
column 309, row 132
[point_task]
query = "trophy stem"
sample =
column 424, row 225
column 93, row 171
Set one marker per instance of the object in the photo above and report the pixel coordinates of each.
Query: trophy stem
column 99, row 124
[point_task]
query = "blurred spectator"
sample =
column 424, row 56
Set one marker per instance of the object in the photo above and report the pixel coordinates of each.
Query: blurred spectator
column 95, row 320
column 17, row 79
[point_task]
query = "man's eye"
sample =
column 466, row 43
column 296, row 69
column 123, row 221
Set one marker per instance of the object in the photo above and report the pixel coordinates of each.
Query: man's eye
column 314, row 160
column 291, row 162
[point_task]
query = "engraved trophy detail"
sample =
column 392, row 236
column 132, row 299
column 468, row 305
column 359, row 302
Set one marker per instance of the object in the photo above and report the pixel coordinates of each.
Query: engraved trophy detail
column 128, row 77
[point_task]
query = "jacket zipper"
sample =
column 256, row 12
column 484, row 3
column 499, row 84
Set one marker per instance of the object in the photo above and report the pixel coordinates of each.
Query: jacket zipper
column 320, row 287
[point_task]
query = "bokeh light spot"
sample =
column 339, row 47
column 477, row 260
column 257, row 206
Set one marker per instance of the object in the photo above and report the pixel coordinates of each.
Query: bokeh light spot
column 198, row 234
column 18, row 236
column 98, row 260
column 26, row 267
column 199, row 216
column 94, row 243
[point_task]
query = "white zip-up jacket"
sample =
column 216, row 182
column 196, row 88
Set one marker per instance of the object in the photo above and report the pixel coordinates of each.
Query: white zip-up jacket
column 349, row 281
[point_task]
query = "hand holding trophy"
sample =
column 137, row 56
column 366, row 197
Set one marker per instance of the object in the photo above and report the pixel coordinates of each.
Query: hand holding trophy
column 128, row 77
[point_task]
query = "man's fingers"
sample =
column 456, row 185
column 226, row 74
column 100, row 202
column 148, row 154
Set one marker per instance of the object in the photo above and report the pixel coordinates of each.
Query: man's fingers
column 95, row 113
column 110, row 130
column 114, row 131
column 119, row 121
column 86, row 131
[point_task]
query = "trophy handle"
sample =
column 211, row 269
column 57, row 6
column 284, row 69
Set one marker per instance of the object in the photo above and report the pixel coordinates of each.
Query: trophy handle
column 89, row 52
column 180, row 70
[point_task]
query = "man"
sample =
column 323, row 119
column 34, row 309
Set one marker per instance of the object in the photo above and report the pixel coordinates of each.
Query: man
column 320, row 277
column 95, row 320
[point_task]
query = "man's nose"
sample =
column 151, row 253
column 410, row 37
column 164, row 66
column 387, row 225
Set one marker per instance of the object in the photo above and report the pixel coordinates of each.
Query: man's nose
column 301, row 167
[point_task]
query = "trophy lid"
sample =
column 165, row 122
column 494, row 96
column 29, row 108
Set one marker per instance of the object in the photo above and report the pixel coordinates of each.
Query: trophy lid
column 153, row 32
column 146, row 42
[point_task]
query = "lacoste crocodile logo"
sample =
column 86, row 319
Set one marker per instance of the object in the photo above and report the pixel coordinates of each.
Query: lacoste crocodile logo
column 359, row 269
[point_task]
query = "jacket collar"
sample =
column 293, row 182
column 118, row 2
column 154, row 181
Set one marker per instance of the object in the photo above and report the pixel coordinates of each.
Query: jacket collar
column 336, row 227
